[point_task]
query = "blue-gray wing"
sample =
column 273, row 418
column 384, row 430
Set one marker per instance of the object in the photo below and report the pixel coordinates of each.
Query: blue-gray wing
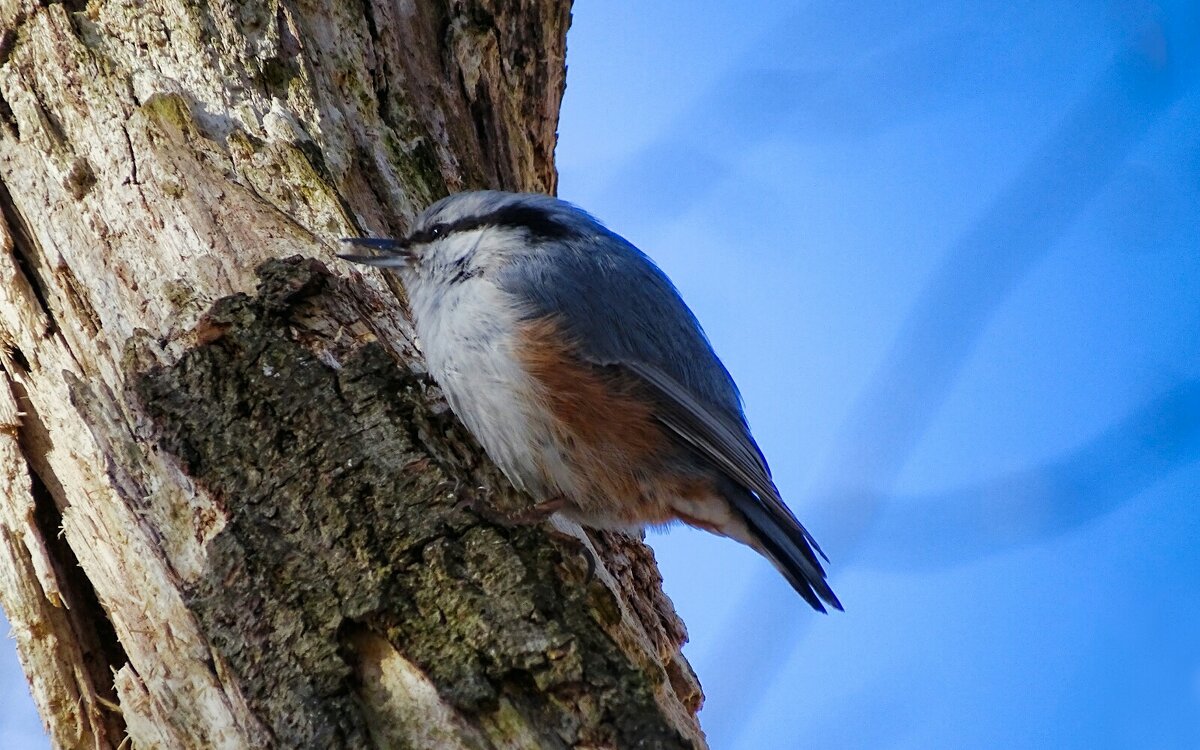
column 619, row 309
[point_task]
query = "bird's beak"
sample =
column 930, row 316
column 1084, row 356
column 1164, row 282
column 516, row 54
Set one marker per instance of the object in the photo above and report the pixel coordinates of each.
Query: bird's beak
column 390, row 253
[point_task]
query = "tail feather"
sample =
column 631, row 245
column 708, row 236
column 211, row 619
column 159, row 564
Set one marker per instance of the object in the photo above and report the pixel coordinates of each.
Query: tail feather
column 783, row 541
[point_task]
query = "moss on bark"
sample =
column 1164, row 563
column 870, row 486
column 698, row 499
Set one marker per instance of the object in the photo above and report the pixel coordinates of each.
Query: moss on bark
column 340, row 473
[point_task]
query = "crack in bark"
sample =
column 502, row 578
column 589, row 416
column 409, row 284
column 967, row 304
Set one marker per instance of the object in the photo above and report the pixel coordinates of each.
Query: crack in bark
column 23, row 250
column 85, row 313
column 382, row 94
column 72, row 6
column 18, row 358
column 7, row 117
column 8, row 40
column 102, row 650
column 133, row 167
column 90, row 627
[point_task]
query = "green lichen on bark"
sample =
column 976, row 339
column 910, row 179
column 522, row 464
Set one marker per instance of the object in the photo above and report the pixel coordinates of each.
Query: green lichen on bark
column 338, row 480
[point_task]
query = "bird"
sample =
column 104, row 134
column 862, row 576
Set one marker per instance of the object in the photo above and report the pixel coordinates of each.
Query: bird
column 575, row 363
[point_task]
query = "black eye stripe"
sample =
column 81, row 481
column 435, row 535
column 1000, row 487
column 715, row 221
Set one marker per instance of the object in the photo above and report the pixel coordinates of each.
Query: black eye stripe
column 435, row 232
column 538, row 222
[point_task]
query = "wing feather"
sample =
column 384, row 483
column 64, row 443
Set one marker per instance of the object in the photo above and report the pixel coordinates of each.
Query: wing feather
column 733, row 452
column 730, row 448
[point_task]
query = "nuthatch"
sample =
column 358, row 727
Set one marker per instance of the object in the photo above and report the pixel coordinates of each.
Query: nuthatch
column 573, row 360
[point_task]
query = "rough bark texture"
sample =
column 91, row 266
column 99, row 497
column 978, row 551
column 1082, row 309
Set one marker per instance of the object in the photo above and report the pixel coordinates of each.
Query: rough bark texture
column 233, row 510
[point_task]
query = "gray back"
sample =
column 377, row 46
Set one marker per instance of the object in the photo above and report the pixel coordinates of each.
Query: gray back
column 619, row 308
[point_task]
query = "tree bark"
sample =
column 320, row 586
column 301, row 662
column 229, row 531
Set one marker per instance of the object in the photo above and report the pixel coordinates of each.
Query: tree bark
column 234, row 511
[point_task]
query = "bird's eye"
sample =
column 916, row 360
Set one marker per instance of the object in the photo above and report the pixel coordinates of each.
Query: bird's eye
column 437, row 231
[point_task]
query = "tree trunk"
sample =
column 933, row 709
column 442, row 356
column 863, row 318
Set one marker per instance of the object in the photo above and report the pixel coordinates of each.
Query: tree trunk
column 234, row 511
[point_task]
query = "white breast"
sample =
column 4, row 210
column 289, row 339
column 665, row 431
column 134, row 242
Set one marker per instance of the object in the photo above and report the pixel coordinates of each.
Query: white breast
column 469, row 336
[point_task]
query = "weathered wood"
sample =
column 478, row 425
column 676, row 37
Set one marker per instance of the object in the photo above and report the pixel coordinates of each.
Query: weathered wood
column 232, row 508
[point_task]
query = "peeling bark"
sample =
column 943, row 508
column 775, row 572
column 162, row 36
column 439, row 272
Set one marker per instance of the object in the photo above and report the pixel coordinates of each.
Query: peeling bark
column 233, row 510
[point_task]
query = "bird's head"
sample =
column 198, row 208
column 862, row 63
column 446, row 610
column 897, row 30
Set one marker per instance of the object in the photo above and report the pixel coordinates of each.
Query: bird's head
column 466, row 235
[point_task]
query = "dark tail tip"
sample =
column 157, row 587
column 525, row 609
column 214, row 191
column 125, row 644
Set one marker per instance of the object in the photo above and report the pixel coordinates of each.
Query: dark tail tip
column 787, row 544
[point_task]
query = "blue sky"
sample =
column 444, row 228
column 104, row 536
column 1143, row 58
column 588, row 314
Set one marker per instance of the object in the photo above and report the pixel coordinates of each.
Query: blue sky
column 949, row 251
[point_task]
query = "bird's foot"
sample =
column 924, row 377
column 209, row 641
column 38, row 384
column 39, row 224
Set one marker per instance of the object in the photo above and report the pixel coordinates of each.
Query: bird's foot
column 480, row 503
